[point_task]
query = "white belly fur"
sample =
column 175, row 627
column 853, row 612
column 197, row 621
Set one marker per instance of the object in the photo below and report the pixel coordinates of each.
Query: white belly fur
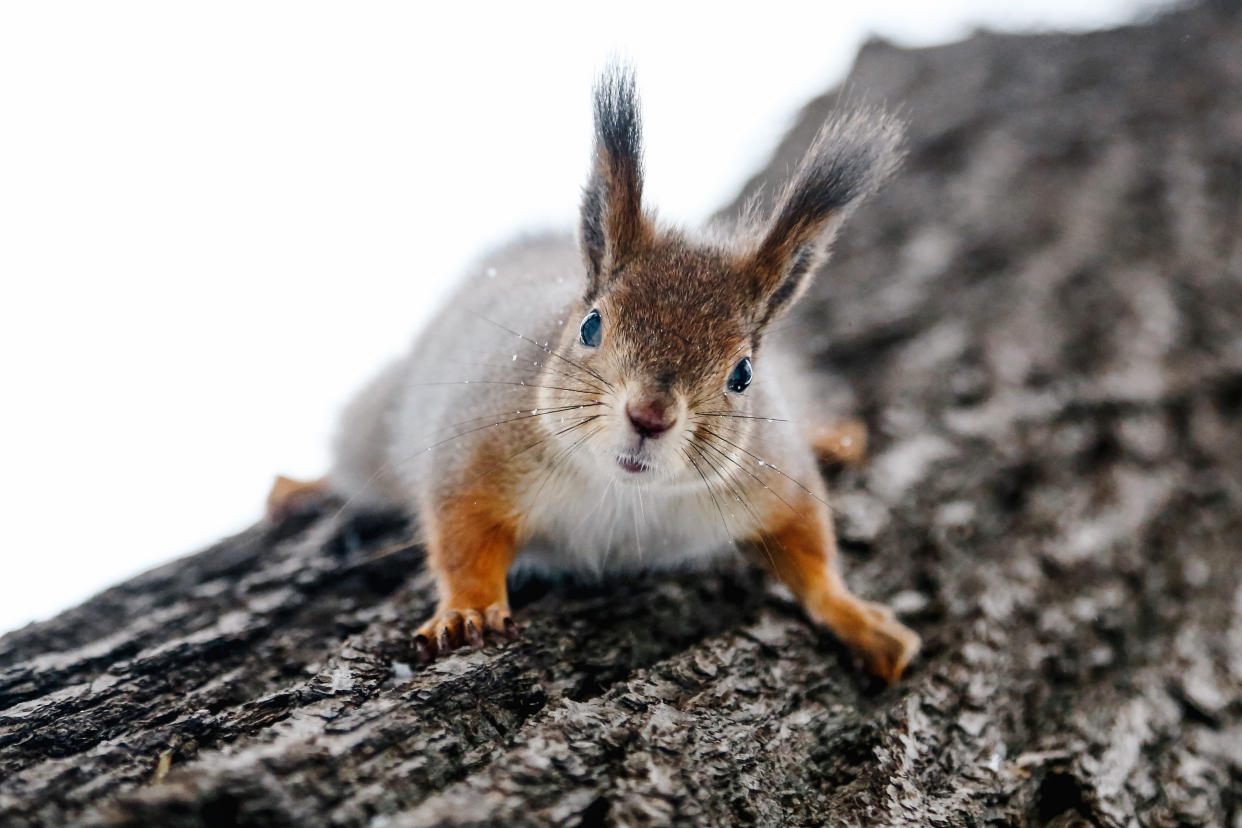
column 591, row 527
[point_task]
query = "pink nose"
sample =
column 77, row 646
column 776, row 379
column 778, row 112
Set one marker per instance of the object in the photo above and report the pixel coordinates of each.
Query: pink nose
column 651, row 416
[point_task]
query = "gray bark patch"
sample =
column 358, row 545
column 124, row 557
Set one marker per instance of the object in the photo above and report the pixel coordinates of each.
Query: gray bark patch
column 1040, row 320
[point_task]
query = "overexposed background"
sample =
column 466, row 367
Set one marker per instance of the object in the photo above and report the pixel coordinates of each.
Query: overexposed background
column 217, row 219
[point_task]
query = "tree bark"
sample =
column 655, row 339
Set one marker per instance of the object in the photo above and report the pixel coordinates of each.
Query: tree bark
column 1040, row 321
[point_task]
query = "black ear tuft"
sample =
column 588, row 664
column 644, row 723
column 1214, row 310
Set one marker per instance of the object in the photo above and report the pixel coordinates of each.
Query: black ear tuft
column 612, row 222
column 618, row 123
column 851, row 156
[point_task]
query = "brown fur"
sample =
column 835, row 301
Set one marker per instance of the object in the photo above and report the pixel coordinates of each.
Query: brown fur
column 289, row 497
column 843, row 442
column 675, row 321
column 472, row 538
column 800, row 550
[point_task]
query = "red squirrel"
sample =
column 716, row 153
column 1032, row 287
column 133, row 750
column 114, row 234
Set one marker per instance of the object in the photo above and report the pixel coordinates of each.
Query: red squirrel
column 621, row 402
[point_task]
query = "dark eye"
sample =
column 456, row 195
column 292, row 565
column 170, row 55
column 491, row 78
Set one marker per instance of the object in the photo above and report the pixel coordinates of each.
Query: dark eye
column 742, row 374
column 591, row 331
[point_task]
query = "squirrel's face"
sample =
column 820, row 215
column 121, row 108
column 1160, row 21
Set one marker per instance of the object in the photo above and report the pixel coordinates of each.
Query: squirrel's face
column 660, row 367
column 665, row 360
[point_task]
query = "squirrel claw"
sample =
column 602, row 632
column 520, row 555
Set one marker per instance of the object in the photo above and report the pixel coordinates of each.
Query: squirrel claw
column 444, row 641
column 510, row 629
column 872, row 632
column 453, row 628
column 474, row 635
column 888, row 646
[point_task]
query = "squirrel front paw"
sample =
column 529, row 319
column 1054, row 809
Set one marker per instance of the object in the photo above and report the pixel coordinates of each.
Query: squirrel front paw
column 451, row 628
column 883, row 644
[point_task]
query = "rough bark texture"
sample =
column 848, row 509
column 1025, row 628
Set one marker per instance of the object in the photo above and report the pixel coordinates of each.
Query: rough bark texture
column 1041, row 320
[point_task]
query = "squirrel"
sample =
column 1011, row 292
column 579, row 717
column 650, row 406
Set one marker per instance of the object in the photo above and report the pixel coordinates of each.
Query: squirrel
column 628, row 406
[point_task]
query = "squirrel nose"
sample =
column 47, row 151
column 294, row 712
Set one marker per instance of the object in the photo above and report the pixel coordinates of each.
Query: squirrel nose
column 651, row 416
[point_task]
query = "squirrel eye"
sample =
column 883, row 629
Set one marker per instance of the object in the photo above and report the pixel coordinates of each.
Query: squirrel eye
column 742, row 374
column 591, row 331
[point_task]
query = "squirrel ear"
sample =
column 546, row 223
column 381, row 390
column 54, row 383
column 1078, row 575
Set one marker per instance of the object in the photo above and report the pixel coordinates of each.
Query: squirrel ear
column 853, row 153
column 612, row 220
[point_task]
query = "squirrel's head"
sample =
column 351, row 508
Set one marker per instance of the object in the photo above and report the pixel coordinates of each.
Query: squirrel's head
column 669, row 330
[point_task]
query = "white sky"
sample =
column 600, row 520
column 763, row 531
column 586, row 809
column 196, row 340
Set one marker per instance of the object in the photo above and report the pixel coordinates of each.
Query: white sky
column 217, row 219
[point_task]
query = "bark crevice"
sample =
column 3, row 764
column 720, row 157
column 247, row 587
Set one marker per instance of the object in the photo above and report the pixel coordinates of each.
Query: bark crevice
column 1040, row 320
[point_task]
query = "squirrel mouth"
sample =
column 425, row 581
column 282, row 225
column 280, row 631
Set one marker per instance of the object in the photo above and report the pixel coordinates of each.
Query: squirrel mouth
column 633, row 465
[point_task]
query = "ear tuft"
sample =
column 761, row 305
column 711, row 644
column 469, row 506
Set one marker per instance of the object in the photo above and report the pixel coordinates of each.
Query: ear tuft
column 853, row 153
column 612, row 221
column 618, row 122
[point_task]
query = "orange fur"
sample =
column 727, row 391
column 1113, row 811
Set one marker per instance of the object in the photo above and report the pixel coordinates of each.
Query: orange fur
column 843, row 442
column 801, row 550
column 289, row 496
column 650, row 401
column 471, row 542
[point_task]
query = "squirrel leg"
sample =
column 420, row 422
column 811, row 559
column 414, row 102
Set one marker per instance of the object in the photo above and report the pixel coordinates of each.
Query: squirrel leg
column 843, row 442
column 800, row 550
column 472, row 540
column 290, row 497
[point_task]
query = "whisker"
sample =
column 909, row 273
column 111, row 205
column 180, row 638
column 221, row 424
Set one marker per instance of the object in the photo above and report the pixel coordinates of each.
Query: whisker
column 765, row 464
column 554, row 466
column 523, row 450
column 740, row 432
column 500, row 415
column 638, row 493
column 511, row 366
column 743, row 431
column 753, row 476
column 740, row 416
column 741, row 498
column 498, row 382
column 542, row 366
column 723, row 478
column 387, row 465
column 492, row 425
column 546, row 350
column 596, row 508
column 708, row 486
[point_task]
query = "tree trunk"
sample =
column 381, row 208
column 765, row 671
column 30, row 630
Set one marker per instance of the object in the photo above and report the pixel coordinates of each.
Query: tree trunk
column 1041, row 321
